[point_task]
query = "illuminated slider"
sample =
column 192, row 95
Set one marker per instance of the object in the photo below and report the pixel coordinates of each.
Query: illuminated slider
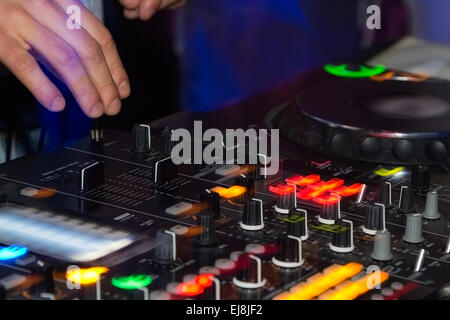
column 87, row 277
column 321, row 282
column 319, row 189
column 287, row 199
column 353, row 289
column 303, row 181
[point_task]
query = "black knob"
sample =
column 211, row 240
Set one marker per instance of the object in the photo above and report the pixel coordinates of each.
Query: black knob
column 141, row 135
column 164, row 137
column 403, row 150
column 211, row 200
column 297, row 224
column 340, row 143
column 329, row 213
column 206, row 222
column 289, row 253
column 374, row 218
column 165, row 250
column 287, row 200
column 420, row 179
column 92, row 176
column 164, row 171
column 385, row 195
column 436, row 151
column 342, row 241
column 252, row 219
column 406, row 202
column 370, row 147
column 250, row 274
column 249, row 184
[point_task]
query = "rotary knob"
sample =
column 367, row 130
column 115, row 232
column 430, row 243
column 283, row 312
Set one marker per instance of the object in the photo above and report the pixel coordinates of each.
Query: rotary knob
column 206, row 222
column 385, row 195
column 298, row 224
column 329, row 213
column 164, row 171
column 141, row 135
column 413, row 231
column 289, row 254
column 375, row 218
column 342, row 241
column 92, row 176
column 406, row 201
column 253, row 219
column 212, row 201
column 166, row 247
column 420, row 179
column 382, row 246
column 287, row 200
column 432, row 206
column 249, row 184
column 250, row 276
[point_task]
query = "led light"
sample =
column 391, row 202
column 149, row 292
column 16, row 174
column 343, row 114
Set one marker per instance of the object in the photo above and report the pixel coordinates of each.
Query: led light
column 326, row 199
column 352, row 290
column 190, row 289
column 363, row 72
column 348, row 191
column 303, row 181
column 319, row 189
column 204, row 280
column 229, row 193
column 281, row 188
column 132, row 282
column 382, row 172
column 319, row 283
column 86, row 276
column 12, row 252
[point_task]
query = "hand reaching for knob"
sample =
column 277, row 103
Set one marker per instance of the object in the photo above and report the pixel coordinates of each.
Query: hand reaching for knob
column 145, row 9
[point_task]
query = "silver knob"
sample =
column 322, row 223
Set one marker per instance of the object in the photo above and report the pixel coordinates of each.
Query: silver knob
column 382, row 246
column 431, row 206
column 413, row 232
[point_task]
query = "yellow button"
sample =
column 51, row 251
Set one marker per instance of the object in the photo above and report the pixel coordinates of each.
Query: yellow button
column 382, row 172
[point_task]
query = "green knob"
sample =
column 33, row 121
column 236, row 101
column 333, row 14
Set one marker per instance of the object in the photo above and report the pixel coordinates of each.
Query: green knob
column 363, row 72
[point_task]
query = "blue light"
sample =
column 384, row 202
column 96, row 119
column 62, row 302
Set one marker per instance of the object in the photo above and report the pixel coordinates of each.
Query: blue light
column 12, row 252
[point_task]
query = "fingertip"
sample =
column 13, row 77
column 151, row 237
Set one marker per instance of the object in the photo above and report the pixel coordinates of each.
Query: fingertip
column 124, row 89
column 58, row 104
column 96, row 111
column 114, row 108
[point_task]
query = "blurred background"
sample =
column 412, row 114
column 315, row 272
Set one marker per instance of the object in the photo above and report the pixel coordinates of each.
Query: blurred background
column 213, row 53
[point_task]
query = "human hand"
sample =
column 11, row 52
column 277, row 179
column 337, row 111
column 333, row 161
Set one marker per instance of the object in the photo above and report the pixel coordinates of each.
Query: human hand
column 145, row 9
column 85, row 59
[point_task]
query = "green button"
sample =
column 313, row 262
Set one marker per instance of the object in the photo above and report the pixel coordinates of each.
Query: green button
column 132, row 282
column 364, row 72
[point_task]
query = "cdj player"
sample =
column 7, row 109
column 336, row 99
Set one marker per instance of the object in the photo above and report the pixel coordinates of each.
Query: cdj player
column 359, row 208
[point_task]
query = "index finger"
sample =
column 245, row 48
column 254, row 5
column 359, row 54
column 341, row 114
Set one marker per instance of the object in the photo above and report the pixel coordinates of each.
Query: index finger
column 104, row 38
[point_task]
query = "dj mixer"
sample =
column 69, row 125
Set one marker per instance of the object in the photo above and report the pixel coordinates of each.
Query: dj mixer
column 353, row 212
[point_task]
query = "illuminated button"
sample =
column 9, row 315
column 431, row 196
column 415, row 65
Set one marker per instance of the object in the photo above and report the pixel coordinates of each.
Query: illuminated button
column 349, row 191
column 326, row 199
column 210, row 270
column 281, row 188
column 387, row 292
column 179, row 208
column 189, row 289
column 12, row 252
column 132, row 282
column 227, row 169
column 29, row 192
column 382, row 172
column 255, row 248
column 86, row 276
column 225, row 264
column 159, row 295
column 229, row 193
column 179, row 230
column 376, row 296
column 303, row 181
column 397, row 286
column 204, row 280
column 346, row 71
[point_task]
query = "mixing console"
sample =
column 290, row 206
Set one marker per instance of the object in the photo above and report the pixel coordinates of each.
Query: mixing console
column 116, row 219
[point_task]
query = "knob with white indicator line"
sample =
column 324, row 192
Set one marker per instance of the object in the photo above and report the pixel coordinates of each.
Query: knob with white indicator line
column 166, row 247
column 406, row 201
column 92, row 176
column 141, row 135
column 298, row 224
column 253, row 219
column 329, row 213
column 250, row 276
column 289, row 254
column 342, row 241
column 385, row 195
column 375, row 218
column 287, row 199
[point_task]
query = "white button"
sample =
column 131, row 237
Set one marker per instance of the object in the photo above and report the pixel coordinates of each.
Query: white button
column 397, row 285
column 179, row 230
column 227, row 169
column 387, row 292
column 377, row 296
column 209, row 269
column 225, row 264
column 29, row 192
column 235, row 255
column 255, row 248
column 179, row 208
column 159, row 295
column 189, row 277
column 173, row 287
